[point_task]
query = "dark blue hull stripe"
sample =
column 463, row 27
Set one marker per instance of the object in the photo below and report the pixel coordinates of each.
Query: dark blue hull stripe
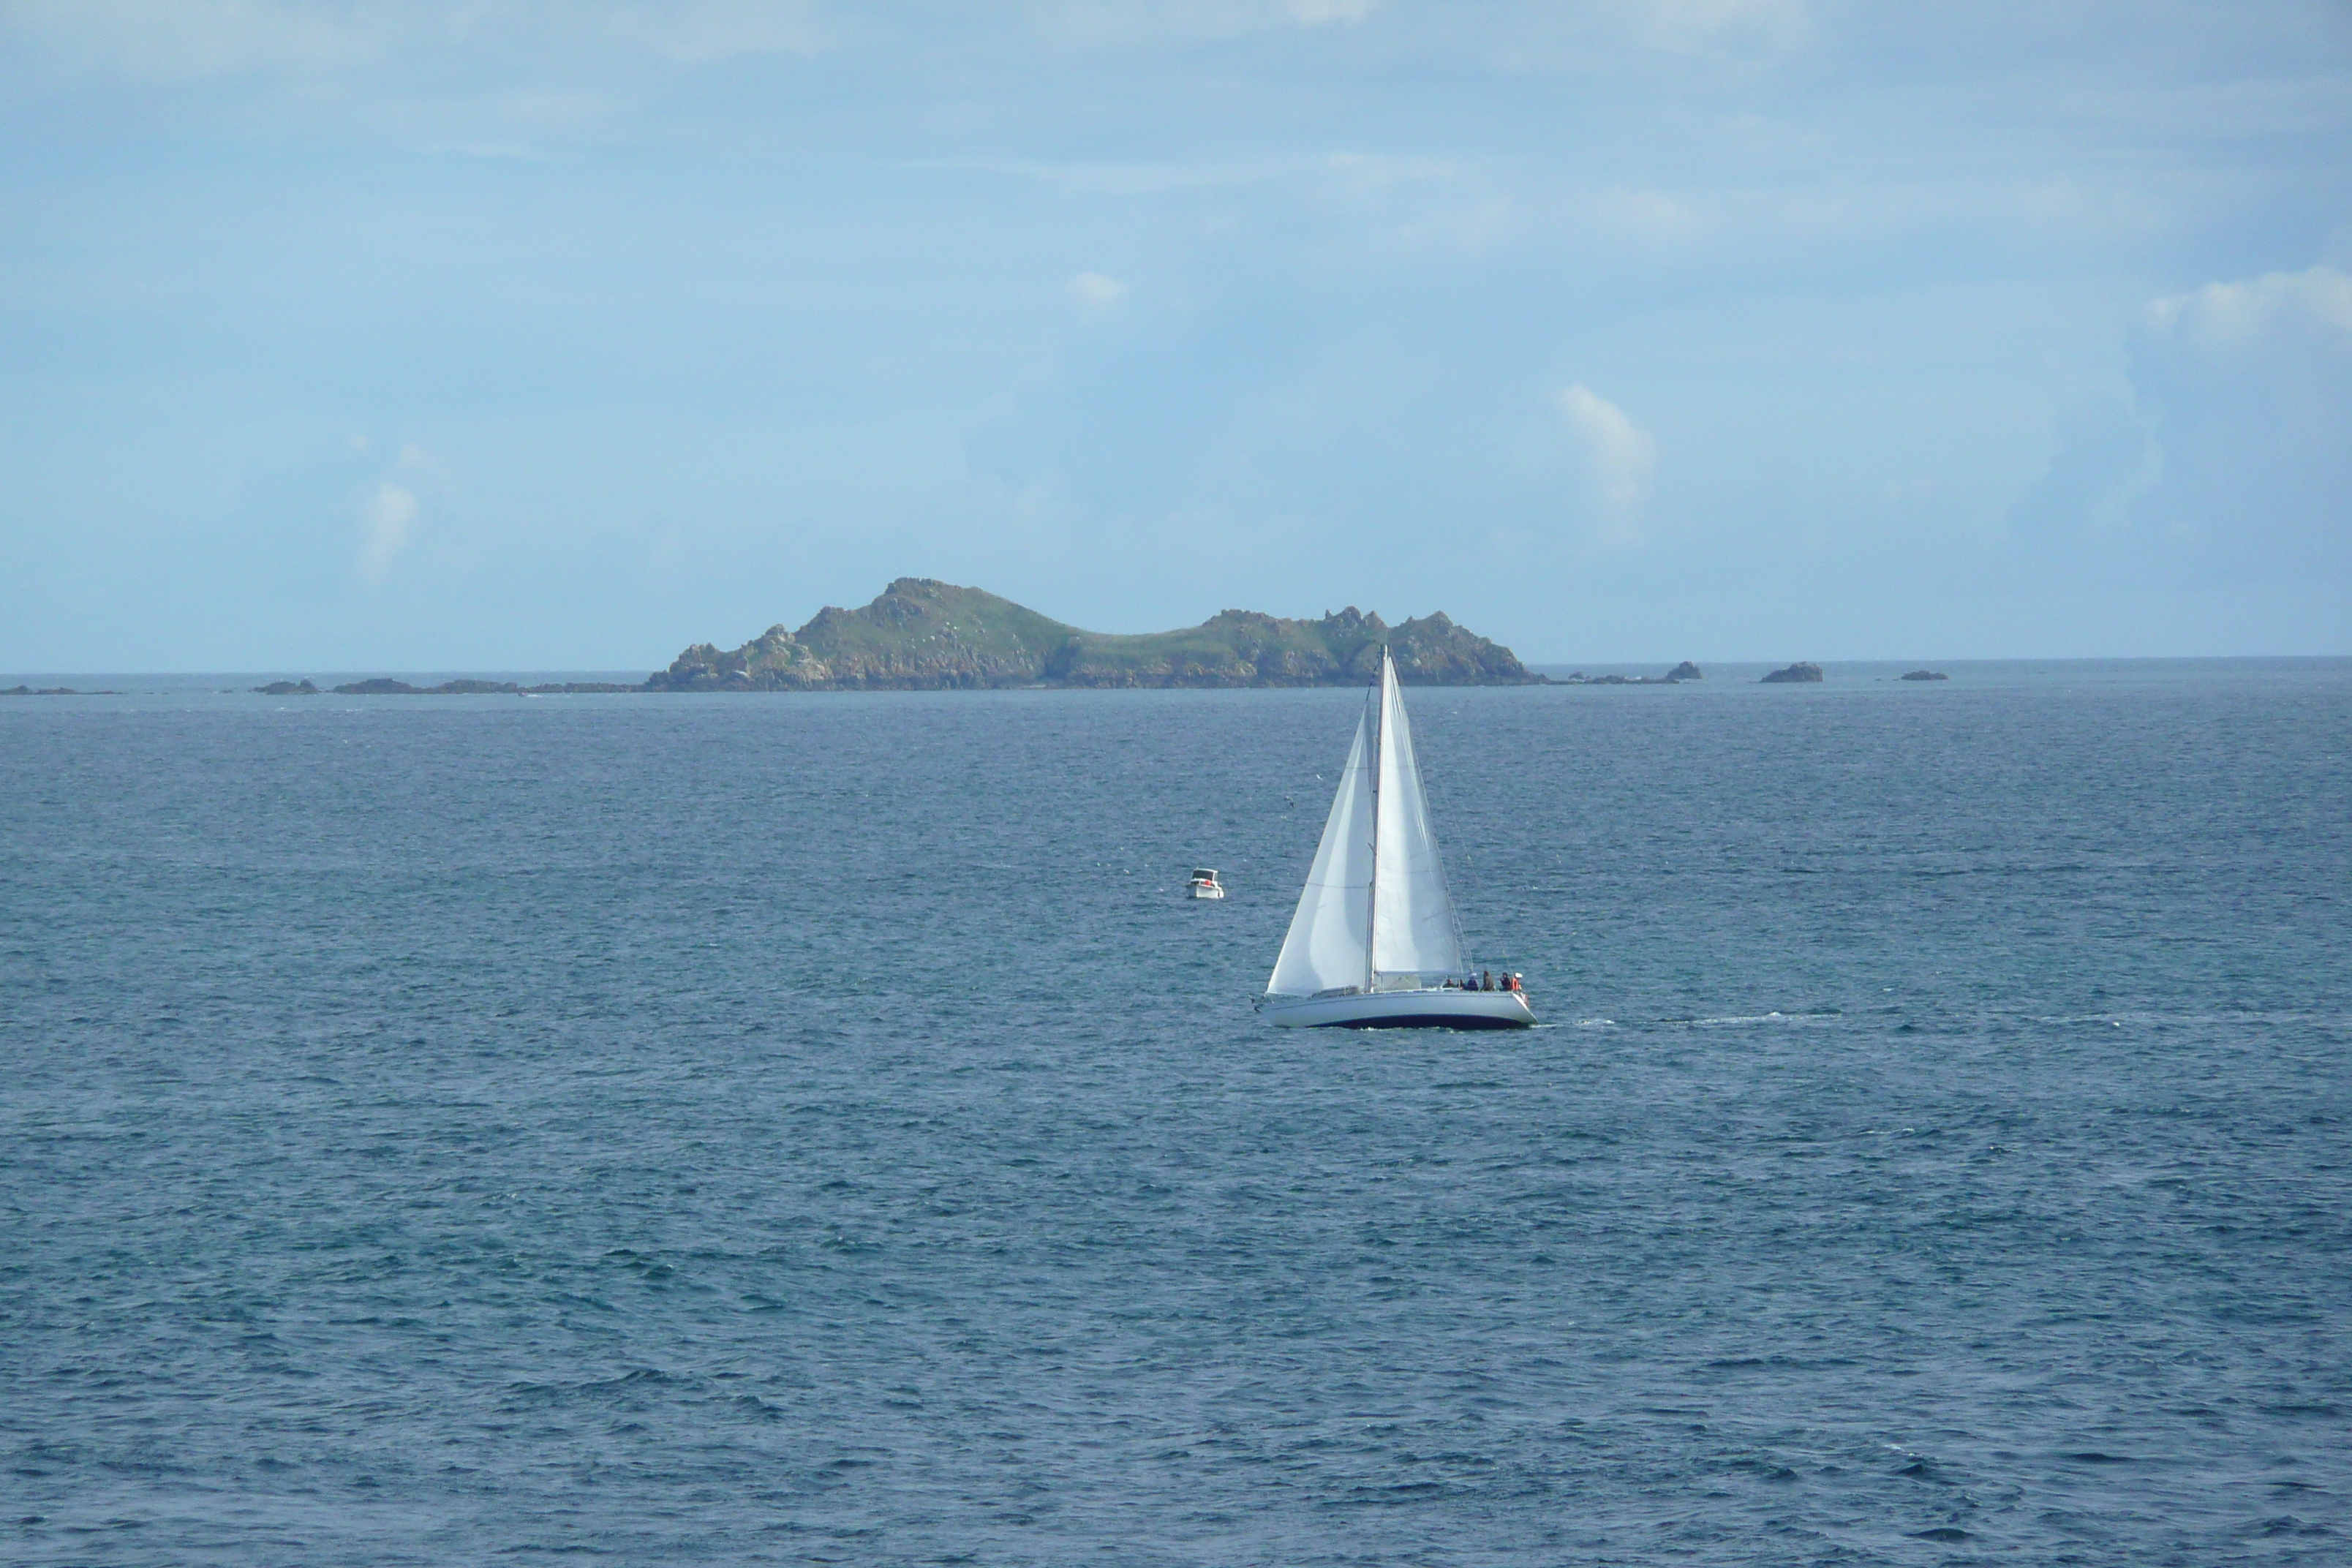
column 1423, row 1021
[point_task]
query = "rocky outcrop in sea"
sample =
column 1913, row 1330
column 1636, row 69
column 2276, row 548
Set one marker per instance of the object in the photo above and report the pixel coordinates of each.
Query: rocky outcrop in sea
column 1674, row 677
column 381, row 686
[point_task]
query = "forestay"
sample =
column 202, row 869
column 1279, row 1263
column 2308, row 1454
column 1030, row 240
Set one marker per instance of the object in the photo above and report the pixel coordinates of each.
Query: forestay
column 1325, row 949
column 1413, row 928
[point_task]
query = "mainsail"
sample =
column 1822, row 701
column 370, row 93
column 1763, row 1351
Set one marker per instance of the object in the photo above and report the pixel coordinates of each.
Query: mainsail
column 1375, row 901
column 1413, row 928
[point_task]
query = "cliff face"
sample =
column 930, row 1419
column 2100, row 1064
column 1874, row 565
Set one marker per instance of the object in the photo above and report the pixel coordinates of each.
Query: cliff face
column 923, row 635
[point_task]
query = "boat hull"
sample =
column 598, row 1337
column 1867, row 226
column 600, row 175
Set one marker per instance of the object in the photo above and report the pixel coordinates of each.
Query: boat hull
column 1403, row 1010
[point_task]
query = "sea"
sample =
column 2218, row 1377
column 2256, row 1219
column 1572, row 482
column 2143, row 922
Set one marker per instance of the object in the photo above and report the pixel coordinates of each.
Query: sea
column 815, row 1129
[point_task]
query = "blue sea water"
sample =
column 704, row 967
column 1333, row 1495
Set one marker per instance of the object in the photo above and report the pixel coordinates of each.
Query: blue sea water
column 813, row 1129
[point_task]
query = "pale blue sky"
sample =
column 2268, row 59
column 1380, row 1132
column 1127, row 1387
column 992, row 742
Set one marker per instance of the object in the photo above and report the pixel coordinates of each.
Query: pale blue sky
column 514, row 335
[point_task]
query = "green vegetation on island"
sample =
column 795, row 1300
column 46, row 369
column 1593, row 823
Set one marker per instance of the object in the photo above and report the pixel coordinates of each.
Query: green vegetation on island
column 923, row 635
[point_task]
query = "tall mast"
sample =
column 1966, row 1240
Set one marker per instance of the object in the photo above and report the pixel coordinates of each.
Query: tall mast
column 1372, row 882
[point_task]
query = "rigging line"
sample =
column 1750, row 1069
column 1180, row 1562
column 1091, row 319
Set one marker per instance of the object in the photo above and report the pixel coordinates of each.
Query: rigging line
column 1379, row 696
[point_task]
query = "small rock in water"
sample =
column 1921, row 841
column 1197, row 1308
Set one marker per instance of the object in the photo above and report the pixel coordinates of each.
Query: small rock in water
column 1800, row 670
column 1685, row 670
column 1925, row 675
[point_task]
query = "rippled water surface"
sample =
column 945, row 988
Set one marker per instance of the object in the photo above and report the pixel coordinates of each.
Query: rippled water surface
column 783, row 1129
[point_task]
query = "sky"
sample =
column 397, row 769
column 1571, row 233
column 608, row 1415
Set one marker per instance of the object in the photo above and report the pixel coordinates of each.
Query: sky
column 510, row 334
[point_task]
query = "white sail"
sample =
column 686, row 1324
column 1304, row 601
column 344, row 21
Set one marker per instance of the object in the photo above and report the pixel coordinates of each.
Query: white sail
column 1413, row 928
column 1328, row 936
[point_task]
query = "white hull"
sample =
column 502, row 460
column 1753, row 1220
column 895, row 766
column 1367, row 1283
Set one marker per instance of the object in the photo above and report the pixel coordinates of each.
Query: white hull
column 1204, row 893
column 1403, row 1010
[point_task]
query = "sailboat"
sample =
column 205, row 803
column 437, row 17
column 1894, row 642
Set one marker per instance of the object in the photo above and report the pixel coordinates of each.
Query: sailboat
column 1375, row 943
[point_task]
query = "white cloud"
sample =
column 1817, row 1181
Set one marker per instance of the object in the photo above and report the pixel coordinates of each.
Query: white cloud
column 1651, row 216
column 1123, row 22
column 2249, row 389
column 2236, row 315
column 1617, row 459
column 172, row 40
column 183, row 39
column 1316, row 13
column 710, row 30
column 1598, row 34
column 387, row 522
column 2106, row 462
column 2230, row 459
column 1095, row 292
column 1699, row 26
column 1139, row 179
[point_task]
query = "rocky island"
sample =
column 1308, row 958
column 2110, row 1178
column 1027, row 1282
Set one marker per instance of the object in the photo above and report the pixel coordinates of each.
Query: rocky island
column 923, row 635
column 1800, row 671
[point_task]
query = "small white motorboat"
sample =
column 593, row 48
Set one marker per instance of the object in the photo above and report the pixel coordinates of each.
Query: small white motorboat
column 1205, row 885
column 1375, row 943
